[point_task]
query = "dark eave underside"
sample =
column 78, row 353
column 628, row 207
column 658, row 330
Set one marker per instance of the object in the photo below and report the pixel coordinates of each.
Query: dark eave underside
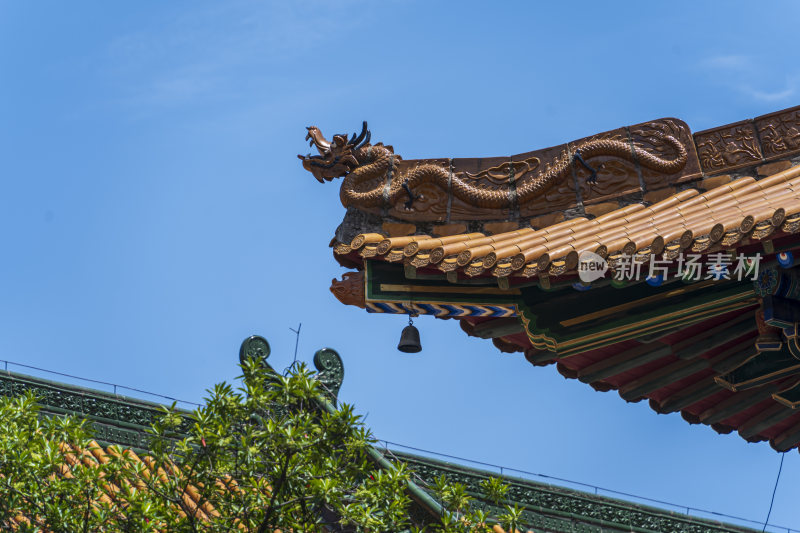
column 676, row 373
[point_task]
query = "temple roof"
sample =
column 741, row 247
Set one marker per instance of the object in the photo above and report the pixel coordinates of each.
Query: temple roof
column 115, row 419
column 554, row 508
column 122, row 420
column 688, row 220
column 502, row 245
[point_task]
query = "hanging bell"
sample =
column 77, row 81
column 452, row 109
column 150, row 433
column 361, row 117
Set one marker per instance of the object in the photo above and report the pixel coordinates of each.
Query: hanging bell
column 409, row 339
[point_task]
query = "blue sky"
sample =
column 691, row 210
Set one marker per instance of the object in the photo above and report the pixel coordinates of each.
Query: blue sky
column 153, row 213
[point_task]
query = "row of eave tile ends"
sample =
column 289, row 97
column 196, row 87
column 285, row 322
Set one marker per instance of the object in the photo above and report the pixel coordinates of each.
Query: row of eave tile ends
column 720, row 217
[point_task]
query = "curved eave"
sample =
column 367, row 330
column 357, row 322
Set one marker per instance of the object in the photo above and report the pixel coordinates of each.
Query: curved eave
column 671, row 382
column 683, row 370
column 725, row 218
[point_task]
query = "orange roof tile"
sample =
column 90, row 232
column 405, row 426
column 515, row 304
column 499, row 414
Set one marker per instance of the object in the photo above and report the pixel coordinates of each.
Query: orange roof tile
column 690, row 219
column 192, row 502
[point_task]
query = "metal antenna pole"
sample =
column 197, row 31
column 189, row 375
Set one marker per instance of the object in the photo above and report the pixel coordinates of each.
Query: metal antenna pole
column 297, row 340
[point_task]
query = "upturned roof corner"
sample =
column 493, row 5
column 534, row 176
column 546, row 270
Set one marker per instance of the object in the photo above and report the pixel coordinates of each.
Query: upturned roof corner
column 499, row 244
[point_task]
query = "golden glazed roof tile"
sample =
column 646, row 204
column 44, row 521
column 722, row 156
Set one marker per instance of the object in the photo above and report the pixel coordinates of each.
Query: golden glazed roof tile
column 689, row 219
column 111, row 492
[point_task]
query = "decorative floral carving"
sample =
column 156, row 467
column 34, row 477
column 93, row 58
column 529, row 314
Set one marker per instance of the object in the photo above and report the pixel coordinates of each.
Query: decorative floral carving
column 766, row 283
column 550, row 508
column 728, row 147
column 779, row 133
column 120, row 436
column 106, row 412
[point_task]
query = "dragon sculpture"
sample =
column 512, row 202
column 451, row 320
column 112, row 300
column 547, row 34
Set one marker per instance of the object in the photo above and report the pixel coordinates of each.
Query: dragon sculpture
column 360, row 163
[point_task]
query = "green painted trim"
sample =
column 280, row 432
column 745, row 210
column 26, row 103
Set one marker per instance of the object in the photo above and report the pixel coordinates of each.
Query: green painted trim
column 377, row 273
column 115, row 419
column 561, row 510
column 543, row 320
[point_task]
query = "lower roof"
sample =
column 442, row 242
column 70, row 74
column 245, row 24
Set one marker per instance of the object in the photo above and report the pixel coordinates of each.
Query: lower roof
column 548, row 508
column 552, row 508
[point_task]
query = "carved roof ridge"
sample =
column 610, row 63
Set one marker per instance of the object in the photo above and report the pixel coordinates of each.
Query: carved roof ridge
column 551, row 497
column 385, row 193
column 116, row 419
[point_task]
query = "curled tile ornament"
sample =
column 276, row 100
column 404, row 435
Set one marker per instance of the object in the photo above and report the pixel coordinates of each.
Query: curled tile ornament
column 779, row 133
column 254, row 346
column 330, row 370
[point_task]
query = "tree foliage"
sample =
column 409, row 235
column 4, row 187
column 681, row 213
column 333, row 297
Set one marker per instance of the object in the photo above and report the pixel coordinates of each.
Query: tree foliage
column 271, row 455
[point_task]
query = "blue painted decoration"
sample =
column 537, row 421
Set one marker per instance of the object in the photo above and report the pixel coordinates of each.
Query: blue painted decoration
column 655, row 281
column 785, row 259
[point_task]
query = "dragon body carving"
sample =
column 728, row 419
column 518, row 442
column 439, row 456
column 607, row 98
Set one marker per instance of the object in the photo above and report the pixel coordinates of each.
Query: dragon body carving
column 361, row 164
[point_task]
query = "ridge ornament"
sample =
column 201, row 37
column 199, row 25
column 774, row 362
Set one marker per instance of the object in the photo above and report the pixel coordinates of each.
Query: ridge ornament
column 361, row 164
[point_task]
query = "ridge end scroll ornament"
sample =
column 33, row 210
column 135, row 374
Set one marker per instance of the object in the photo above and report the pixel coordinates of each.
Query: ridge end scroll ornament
column 366, row 169
column 254, row 347
column 330, row 371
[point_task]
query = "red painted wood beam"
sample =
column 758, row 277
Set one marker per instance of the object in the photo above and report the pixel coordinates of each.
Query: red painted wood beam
column 764, row 420
column 724, row 362
column 740, row 401
column 624, row 361
column 788, row 439
column 687, row 396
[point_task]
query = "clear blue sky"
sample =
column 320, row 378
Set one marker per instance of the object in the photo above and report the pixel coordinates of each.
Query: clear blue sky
column 153, row 213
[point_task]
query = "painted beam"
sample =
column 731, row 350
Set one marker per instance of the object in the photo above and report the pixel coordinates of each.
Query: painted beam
column 624, row 361
column 767, row 367
column 669, row 374
column 708, row 341
column 790, row 397
column 658, row 335
column 737, row 403
column 765, row 420
column 696, row 392
column 499, row 327
column 788, row 439
column 689, row 348
column 541, row 357
column 726, row 361
column 719, row 328
column 661, row 378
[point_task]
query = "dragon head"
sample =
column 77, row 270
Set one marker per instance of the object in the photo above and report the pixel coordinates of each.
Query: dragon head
column 336, row 158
